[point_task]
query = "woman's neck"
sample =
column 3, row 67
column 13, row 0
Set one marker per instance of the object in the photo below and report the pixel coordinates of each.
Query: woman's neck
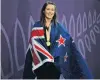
column 48, row 22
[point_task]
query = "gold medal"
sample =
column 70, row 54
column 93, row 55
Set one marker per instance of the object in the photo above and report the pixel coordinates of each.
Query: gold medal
column 48, row 43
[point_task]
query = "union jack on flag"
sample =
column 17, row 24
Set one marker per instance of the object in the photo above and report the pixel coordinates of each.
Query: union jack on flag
column 38, row 49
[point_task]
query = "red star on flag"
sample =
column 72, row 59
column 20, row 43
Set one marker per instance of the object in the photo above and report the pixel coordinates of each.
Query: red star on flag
column 61, row 41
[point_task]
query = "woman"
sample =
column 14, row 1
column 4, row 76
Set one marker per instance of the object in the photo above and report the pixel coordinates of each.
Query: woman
column 52, row 51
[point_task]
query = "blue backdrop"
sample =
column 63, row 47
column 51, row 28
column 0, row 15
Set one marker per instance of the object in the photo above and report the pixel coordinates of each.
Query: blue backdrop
column 80, row 17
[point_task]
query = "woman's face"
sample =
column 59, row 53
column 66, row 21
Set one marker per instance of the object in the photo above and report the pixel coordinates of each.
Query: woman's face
column 49, row 11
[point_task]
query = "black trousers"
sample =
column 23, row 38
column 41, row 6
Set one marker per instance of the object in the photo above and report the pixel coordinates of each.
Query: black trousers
column 47, row 71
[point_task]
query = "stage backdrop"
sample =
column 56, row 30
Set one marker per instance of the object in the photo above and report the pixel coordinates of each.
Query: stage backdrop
column 80, row 17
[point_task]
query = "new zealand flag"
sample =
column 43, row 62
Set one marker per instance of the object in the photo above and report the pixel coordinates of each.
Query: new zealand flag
column 63, row 52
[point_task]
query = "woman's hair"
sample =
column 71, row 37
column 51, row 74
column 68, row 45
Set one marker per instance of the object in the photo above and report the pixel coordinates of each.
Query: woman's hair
column 42, row 16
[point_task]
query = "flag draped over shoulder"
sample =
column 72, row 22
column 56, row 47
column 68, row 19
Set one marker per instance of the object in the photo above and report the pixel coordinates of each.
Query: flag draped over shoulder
column 63, row 52
column 39, row 52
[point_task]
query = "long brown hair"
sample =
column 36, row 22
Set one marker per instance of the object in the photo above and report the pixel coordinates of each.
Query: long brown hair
column 42, row 16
